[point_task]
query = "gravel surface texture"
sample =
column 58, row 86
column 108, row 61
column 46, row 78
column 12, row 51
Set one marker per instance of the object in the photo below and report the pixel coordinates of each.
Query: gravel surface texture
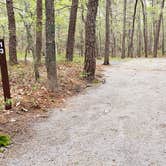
column 119, row 123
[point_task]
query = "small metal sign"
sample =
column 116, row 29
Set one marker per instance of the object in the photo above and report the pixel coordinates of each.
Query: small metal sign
column 4, row 75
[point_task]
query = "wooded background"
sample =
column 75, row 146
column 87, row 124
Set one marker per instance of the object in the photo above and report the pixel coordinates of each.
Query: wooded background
column 123, row 28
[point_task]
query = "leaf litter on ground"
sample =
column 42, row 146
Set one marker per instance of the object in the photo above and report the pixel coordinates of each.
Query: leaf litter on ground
column 32, row 99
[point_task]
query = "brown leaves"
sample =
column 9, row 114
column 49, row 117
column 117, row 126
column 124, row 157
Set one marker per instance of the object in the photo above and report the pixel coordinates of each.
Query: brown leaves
column 31, row 98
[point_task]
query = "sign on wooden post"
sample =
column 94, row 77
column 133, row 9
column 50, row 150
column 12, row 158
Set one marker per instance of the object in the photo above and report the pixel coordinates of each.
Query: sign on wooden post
column 4, row 75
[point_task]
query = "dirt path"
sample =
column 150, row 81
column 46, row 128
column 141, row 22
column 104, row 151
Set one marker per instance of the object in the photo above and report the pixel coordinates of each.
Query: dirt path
column 120, row 123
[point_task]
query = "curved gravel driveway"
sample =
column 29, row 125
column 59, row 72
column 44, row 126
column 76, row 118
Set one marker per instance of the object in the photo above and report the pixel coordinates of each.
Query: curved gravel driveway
column 120, row 123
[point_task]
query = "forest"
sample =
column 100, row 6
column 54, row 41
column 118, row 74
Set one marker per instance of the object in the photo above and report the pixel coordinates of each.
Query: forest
column 56, row 49
column 135, row 31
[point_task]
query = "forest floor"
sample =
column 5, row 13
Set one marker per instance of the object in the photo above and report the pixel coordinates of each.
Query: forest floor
column 31, row 100
column 119, row 123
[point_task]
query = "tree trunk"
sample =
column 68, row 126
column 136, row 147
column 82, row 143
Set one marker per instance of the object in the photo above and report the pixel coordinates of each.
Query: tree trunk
column 82, row 42
column 128, row 40
column 124, row 31
column 139, row 36
column 150, row 43
column 99, row 33
column 38, row 52
column 112, row 37
column 82, row 31
column 156, row 41
column 107, row 35
column 132, row 32
column 143, row 3
column 12, row 33
column 50, row 46
column 97, row 48
column 29, row 37
column 163, row 37
column 71, row 31
column 114, row 48
column 154, row 24
column 90, row 40
column 100, row 43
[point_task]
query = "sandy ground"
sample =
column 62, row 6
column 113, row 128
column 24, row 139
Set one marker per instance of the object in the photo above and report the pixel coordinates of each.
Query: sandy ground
column 119, row 123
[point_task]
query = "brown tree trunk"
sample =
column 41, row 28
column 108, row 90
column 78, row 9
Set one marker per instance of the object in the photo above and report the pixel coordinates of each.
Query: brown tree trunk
column 99, row 33
column 113, row 42
column 124, row 31
column 82, row 42
column 50, row 46
column 150, row 43
column 132, row 32
column 156, row 41
column 97, row 48
column 12, row 33
column 107, row 35
column 38, row 52
column 143, row 3
column 154, row 24
column 71, row 31
column 128, row 40
column 90, row 40
column 82, row 31
column 163, row 37
column 99, row 43
column 139, row 36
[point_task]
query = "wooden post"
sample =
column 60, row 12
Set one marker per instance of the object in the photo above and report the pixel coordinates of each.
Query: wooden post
column 5, row 77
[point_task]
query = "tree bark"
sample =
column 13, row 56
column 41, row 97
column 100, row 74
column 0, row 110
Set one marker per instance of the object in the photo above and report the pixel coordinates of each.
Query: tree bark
column 12, row 33
column 38, row 52
column 133, row 29
column 163, row 37
column 50, row 46
column 139, row 52
column 112, row 37
column 154, row 24
column 82, row 31
column 156, row 41
column 128, row 40
column 82, row 42
column 107, row 35
column 71, row 31
column 124, row 31
column 143, row 3
column 90, row 40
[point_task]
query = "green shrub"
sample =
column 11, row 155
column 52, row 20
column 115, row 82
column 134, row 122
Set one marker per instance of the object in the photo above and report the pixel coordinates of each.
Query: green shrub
column 5, row 140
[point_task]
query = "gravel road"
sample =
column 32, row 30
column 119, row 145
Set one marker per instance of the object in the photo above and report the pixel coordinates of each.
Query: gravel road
column 119, row 123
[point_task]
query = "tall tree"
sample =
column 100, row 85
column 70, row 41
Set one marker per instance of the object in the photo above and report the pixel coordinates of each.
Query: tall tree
column 157, row 34
column 38, row 50
column 50, row 46
column 71, row 30
column 107, row 35
column 82, row 30
column 90, row 40
column 139, row 47
column 124, row 30
column 12, row 33
column 28, row 26
column 143, row 3
column 154, row 22
column 133, row 29
column 163, row 36
column 113, row 38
